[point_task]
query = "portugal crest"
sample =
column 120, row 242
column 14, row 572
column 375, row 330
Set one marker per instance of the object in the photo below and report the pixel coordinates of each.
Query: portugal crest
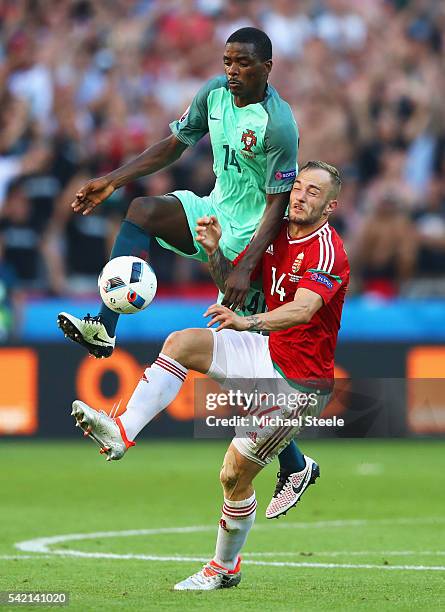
column 249, row 140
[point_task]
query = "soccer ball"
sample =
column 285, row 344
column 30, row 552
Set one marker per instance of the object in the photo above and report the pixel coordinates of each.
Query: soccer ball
column 127, row 284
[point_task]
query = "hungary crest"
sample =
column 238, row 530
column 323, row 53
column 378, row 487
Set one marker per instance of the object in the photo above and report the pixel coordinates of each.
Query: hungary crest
column 297, row 263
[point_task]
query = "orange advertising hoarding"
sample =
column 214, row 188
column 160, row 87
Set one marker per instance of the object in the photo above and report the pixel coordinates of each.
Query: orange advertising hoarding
column 18, row 391
column 38, row 384
column 425, row 367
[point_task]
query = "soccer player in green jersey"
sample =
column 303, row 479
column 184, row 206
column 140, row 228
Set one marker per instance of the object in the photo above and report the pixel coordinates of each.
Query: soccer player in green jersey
column 254, row 140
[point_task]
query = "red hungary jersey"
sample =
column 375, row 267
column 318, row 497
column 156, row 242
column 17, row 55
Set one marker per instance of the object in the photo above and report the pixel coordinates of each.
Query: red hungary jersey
column 317, row 262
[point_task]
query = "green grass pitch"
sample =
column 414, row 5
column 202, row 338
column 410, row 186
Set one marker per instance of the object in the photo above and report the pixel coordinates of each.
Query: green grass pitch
column 377, row 505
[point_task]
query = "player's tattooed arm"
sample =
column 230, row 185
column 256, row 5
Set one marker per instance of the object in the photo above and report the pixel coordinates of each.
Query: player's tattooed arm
column 219, row 268
column 298, row 312
column 208, row 234
column 238, row 283
column 255, row 323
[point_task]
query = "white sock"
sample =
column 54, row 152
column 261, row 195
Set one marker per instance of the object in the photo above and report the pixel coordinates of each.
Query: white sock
column 158, row 386
column 236, row 521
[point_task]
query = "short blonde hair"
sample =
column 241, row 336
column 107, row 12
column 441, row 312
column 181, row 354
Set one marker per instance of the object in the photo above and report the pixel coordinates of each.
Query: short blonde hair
column 331, row 170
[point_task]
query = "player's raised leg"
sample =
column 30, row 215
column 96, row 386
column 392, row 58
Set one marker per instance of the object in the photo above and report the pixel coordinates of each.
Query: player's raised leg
column 290, row 488
column 297, row 473
column 158, row 387
column 160, row 216
column 237, row 519
column 292, row 484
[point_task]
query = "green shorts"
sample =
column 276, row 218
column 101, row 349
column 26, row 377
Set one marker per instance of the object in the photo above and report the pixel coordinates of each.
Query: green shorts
column 233, row 241
column 231, row 244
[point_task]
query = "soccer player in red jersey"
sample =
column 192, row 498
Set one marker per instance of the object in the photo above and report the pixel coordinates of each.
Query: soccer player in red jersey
column 305, row 266
column 305, row 274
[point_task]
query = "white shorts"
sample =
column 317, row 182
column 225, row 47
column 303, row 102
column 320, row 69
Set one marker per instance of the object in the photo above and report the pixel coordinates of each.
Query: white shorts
column 242, row 360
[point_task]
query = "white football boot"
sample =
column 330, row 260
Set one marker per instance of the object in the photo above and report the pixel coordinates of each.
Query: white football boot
column 90, row 332
column 108, row 433
column 211, row 577
column 290, row 488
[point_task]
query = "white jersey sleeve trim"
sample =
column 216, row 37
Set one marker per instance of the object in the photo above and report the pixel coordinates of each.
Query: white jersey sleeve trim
column 327, row 254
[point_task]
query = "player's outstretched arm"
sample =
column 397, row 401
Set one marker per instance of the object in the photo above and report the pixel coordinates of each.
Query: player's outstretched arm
column 208, row 234
column 298, row 312
column 238, row 282
column 154, row 158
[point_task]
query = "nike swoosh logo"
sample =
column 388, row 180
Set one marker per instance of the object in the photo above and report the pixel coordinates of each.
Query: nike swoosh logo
column 96, row 337
column 298, row 489
column 214, row 118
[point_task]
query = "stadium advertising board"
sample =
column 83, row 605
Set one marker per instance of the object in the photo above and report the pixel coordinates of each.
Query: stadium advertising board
column 381, row 390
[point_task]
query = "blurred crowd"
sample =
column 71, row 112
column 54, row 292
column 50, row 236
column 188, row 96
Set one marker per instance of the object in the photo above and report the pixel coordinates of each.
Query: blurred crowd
column 87, row 84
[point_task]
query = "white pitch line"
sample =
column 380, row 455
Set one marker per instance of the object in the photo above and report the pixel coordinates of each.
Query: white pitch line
column 349, row 553
column 246, row 555
column 175, row 558
column 358, row 523
column 42, row 545
column 14, row 557
column 439, row 568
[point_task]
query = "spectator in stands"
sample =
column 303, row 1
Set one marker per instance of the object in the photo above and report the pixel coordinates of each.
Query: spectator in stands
column 289, row 28
column 92, row 83
column 77, row 246
column 384, row 251
column 341, row 25
column 430, row 229
column 29, row 79
column 19, row 239
column 236, row 14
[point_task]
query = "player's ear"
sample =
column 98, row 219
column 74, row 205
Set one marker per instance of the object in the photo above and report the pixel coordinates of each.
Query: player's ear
column 331, row 206
column 268, row 66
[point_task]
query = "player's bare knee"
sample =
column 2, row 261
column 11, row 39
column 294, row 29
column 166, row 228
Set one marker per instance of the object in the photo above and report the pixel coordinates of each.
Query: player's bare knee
column 142, row 211
column 178, row 345
column 229, row 478
column 232, row 478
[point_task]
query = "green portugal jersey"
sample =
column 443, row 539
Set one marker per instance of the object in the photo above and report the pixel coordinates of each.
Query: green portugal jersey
column 254, row 152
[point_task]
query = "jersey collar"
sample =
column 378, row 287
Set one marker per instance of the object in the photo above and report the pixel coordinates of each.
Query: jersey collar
column 308, row 237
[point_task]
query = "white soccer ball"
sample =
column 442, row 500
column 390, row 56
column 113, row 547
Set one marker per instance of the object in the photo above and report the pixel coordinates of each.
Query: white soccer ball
column 127, row 284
